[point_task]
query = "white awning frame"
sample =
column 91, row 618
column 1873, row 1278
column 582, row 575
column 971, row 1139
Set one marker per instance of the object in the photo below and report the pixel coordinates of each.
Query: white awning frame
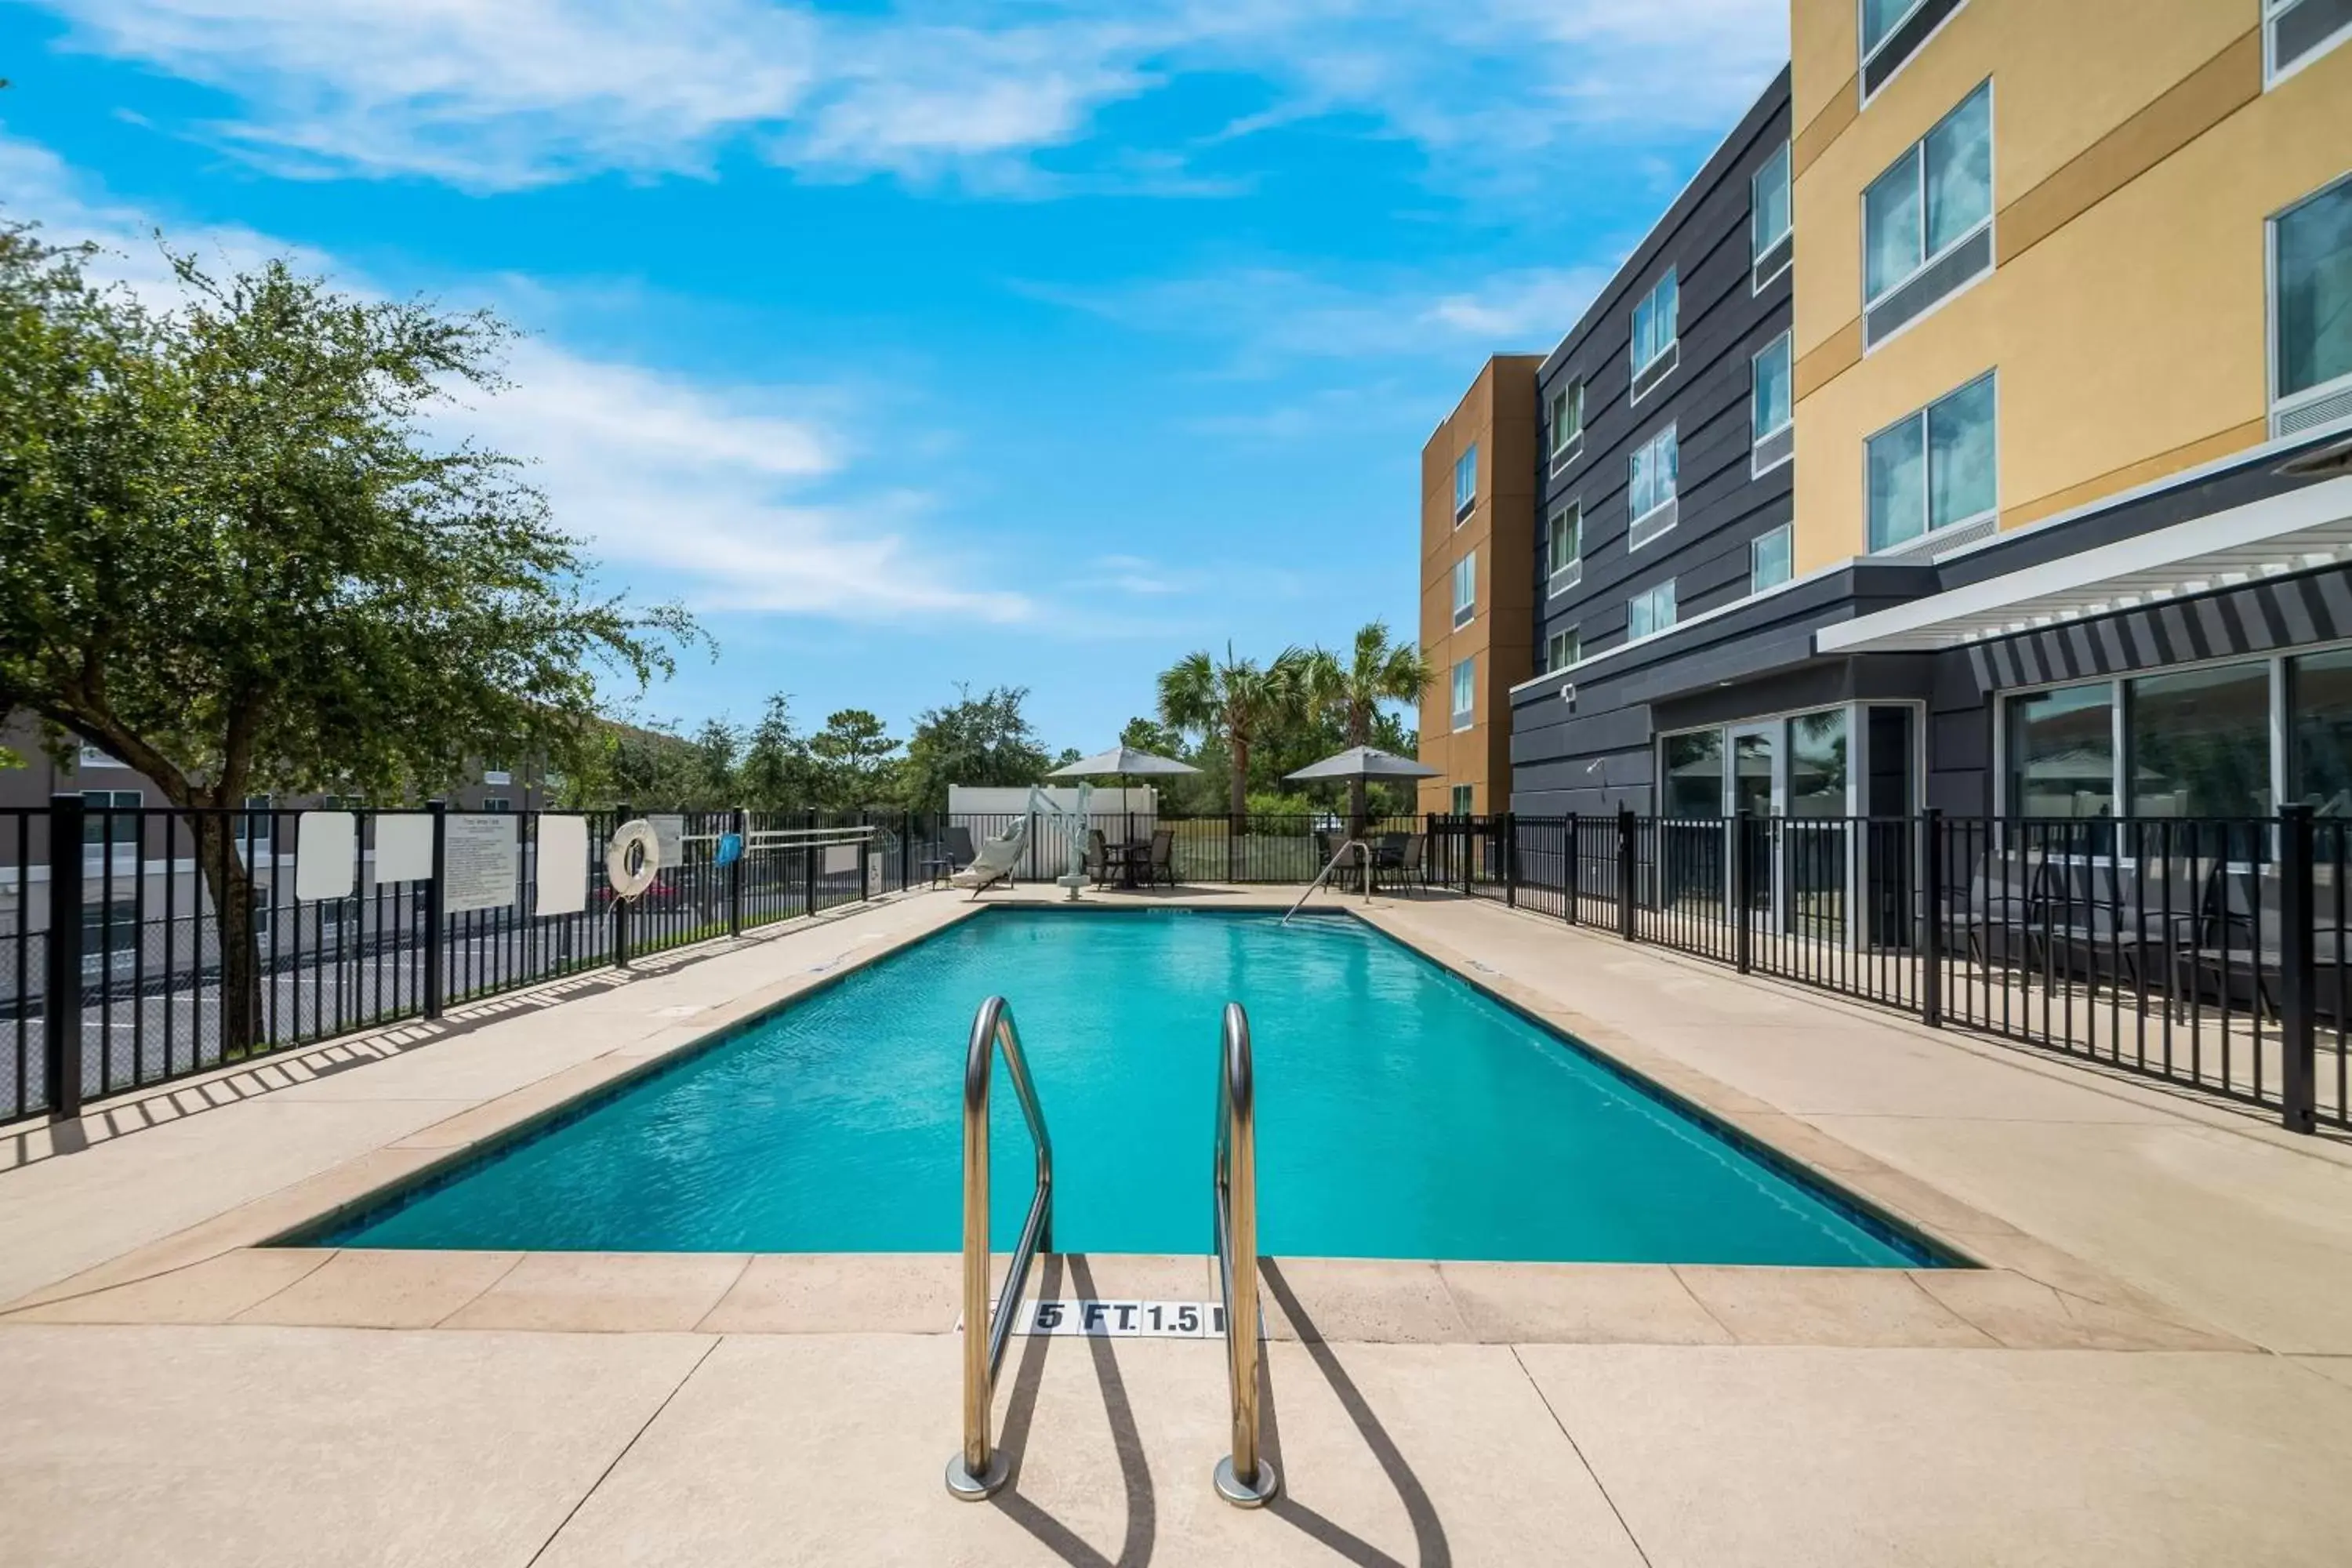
column 2298, row 530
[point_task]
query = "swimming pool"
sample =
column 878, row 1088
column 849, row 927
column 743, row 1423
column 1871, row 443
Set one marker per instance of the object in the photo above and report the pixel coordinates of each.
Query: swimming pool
column 1402, row 1113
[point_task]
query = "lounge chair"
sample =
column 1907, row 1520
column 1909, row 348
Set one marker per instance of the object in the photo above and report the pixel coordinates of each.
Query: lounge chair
column 959, row 846
column 995, row 862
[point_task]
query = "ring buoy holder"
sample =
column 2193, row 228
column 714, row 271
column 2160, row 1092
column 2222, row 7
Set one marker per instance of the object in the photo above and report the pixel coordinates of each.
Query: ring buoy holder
column 633, row 859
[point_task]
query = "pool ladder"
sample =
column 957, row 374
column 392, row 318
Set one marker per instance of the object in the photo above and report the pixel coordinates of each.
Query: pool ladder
column 1244, row 1478
column 1363, row 863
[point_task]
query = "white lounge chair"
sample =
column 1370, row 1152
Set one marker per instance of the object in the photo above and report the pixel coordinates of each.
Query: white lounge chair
column 995, row 860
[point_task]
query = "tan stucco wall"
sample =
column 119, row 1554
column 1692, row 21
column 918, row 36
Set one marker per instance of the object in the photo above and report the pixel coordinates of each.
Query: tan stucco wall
column 1498, row 413
column 2135, row 150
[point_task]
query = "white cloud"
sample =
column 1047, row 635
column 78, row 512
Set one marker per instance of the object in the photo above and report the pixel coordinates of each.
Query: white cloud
column 728, row 497
column 514, row 92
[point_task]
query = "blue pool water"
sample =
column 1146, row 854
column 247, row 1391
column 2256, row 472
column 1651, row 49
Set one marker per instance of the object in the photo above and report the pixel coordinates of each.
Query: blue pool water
column 1402, row 1113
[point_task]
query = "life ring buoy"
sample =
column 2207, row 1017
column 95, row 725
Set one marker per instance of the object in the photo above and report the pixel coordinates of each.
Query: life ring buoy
column 633, row 859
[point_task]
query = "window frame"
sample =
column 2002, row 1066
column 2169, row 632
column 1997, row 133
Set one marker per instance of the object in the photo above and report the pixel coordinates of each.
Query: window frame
column 2287, row 403
column 1465, row 674
column 1930, row 528
column 1760, row 246
column 1669, row 434
column 1575, row 638
column 1571, row 396
column 1673, row 606
column 1787, row 343
column 1466, row 499
column 106, row 802
column 1465, row 608
column 1786, row 534
column 1865, row 52
column 1464, row 800
column 1672, row 277
column 1555, row 569
column 1917, row 153
column 2274, row 11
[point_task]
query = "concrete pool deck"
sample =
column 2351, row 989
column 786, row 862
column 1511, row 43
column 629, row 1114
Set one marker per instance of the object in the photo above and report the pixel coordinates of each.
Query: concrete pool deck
column 2156, row 1367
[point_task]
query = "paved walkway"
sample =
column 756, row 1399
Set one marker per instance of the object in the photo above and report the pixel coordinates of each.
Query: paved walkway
column 720, row 1410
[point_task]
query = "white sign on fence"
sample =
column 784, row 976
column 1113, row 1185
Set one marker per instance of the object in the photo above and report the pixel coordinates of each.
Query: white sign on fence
column 669, row 831
column 840, row 859
column 404, row 847
column 326, row 854
column 559, row 881
column 479, row 861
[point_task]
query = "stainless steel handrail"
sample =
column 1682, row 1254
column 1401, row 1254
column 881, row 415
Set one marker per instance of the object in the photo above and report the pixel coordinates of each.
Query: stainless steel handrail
column 1244, row 1478
column 1365, row 861
column 978, row 1471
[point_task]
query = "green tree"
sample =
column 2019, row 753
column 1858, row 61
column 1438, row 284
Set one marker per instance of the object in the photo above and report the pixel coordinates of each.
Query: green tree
column 231, row 556
column 1349, row 692
column 712, row 785
column 776, row 772
column 979, row 741
column 1234, row 704
column 854, row 757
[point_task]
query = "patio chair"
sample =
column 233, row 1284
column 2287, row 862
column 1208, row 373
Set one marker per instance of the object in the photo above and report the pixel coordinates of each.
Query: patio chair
column 995, row 862
column 1163, row 858
column 1097, row 861
column 960, row 852
column 1411, row 866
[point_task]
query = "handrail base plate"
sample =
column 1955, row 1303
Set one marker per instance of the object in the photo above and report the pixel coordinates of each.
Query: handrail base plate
column 965, row 1487
column 1231, row 1487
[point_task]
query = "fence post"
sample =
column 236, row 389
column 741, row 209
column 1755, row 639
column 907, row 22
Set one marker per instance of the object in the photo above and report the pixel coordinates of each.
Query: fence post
column 865, row 857
column 621, row 905
column 2298, row 1091
column 437, row 910
column 808, row 868
column 1743, row 893
column 735, row 872
column 61, row 981
column 1931, row 921
column 1575, row 874
column 906, row 850
column 1511, row 821
column 1625, row 866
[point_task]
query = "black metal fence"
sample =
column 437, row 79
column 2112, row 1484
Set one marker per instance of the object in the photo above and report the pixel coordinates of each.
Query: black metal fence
column 147, row 984
column 2212, row 953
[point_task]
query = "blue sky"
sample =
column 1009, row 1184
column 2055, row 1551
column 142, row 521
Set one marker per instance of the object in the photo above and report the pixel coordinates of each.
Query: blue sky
column 926, row 344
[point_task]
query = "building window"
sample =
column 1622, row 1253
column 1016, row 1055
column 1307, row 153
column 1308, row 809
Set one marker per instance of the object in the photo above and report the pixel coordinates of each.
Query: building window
column 1817, row 763
column 497, row 774
column 1649, row 488
column 1770, row 218
column 1464, row 797
column 1466, row 691
column 1654, row 329
column 92, row 757
column 1768, row 559
column 1927, row 220
column 1565, row 546
column 1892, row 32
column 1935, row 469
column 1563, row 649
column 2061, row 752
column 1466, row 589
column 2319, row 762
column 497, row 803
column 1650, row 611
column 1771, row 410
column 1465, row 482
column 1692, row 766
column 2311, row 310
column 1567, row 420
column 2199, row 741
column 99, row 822
column 2298, row 32
column 258, row 822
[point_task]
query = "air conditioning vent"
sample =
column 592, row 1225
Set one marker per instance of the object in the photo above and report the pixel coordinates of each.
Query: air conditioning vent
column 1942, row 541
column 1961, row 264
column 1774, row 262
column 1656, row 371
column 1903, row 43
column 2304, row 29
column 1773, row 451
column 1651, row 524
column 2311, row 415
column 1568, row 576
column 1464, row 616
column 1567, row 455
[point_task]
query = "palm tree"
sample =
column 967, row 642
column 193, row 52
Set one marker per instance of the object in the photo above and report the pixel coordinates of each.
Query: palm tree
column 1237, row 702
column 1351, row 694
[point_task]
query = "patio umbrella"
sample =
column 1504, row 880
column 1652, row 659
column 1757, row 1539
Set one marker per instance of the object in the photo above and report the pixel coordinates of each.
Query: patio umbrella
column 1125, row 761
column 1366, row 762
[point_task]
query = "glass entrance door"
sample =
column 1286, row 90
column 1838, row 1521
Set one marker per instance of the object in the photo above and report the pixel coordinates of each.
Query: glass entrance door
column 1756, row 785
